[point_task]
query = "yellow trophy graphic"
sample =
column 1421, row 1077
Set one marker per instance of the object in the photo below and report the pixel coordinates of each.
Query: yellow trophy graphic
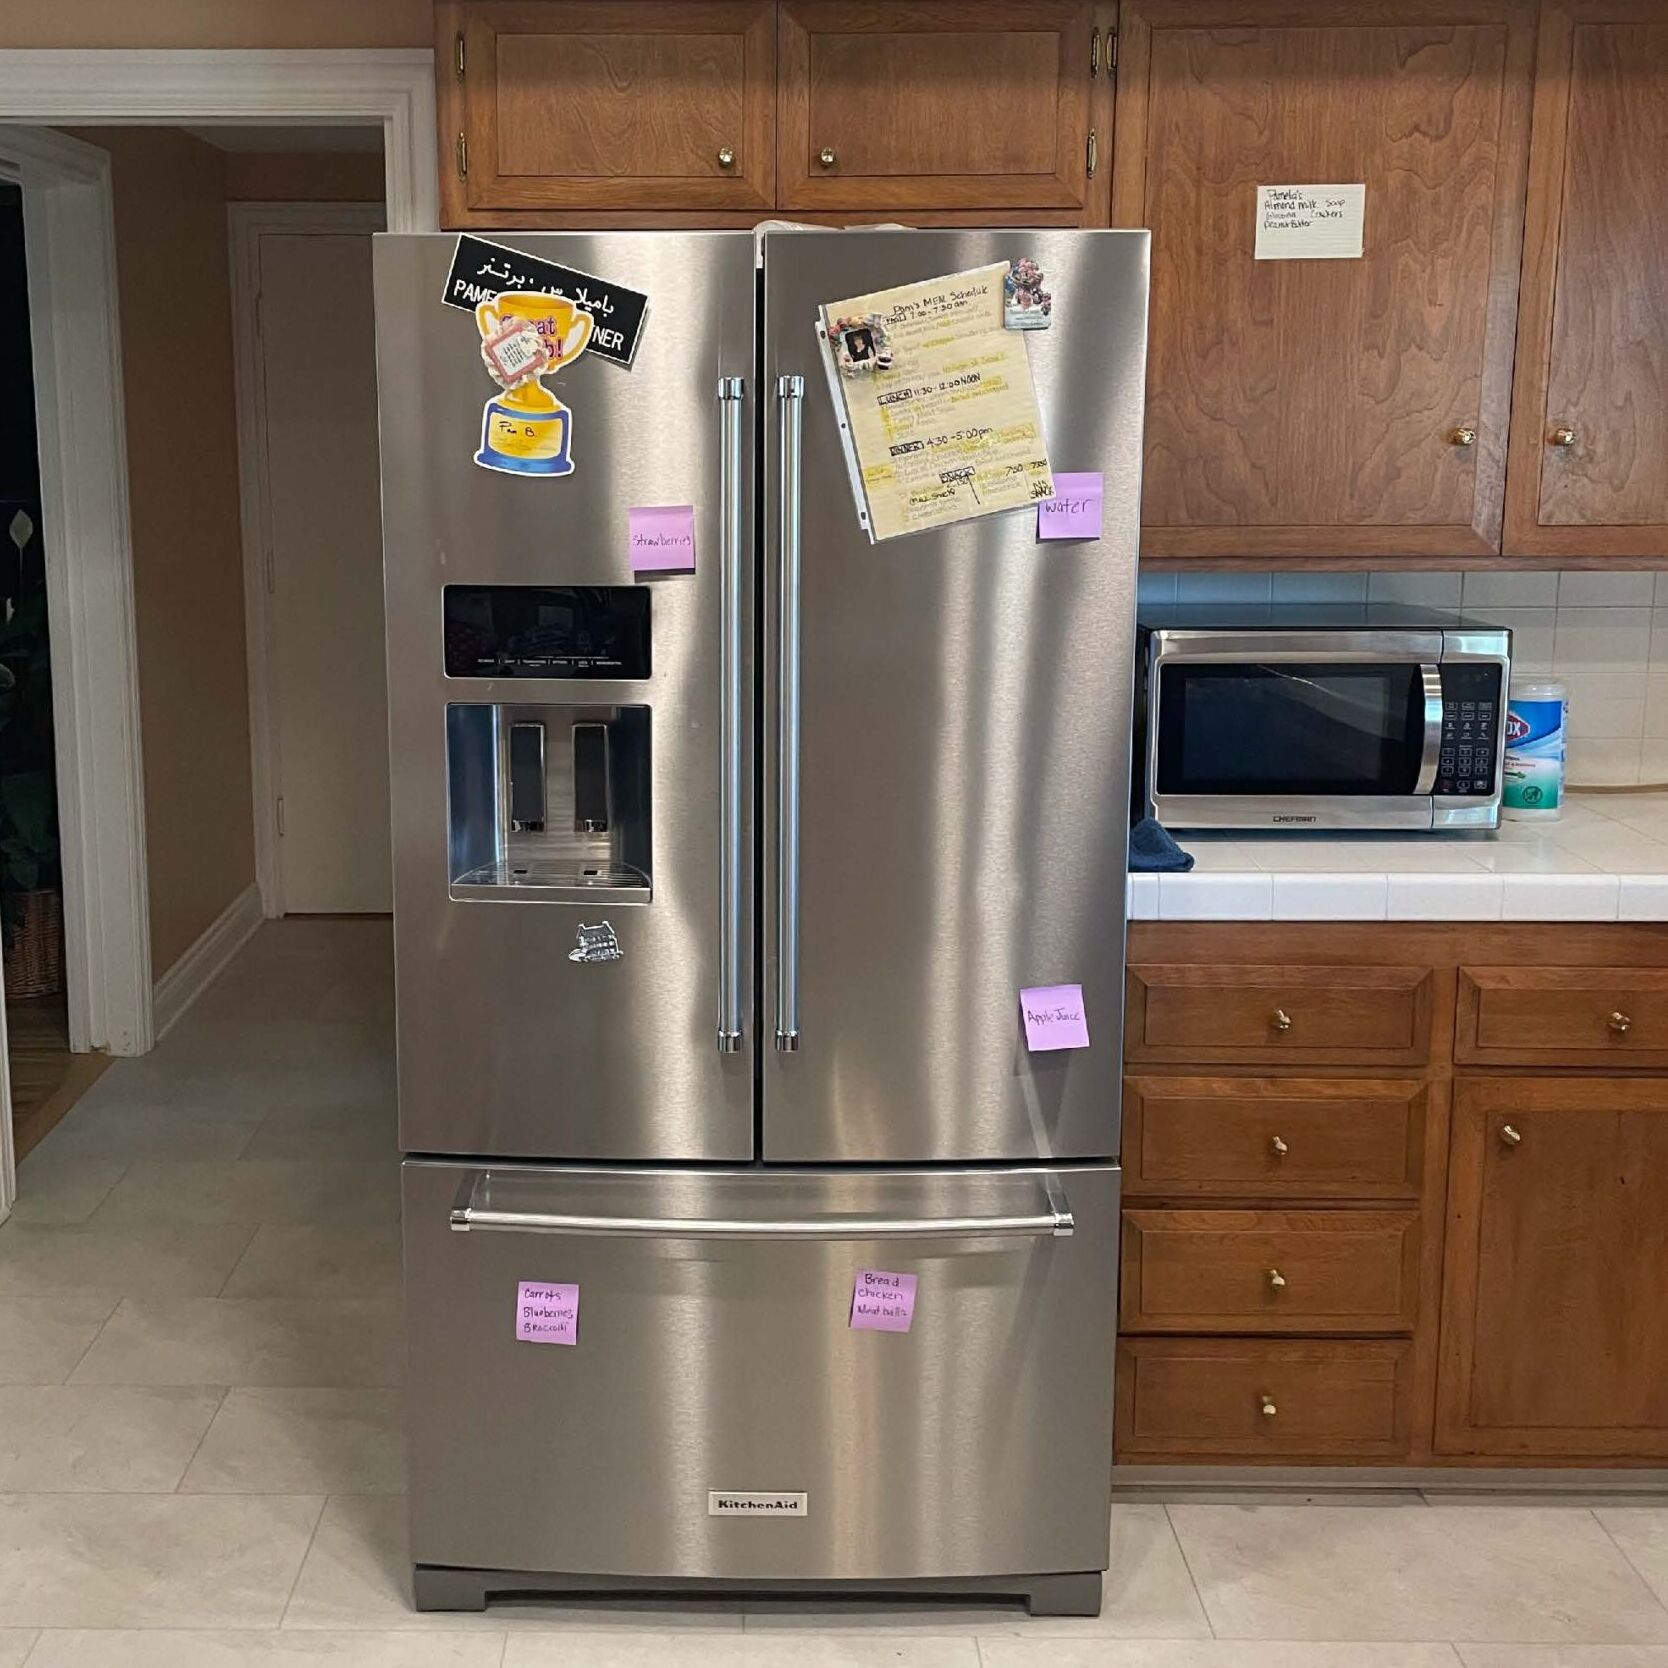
column 525, row 429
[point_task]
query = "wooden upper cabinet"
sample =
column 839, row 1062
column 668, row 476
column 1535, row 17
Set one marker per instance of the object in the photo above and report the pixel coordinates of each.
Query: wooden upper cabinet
column 944, row 104
column 619, row 104
column 1589, row 452
column 1319, row 407
column 1554, row 1333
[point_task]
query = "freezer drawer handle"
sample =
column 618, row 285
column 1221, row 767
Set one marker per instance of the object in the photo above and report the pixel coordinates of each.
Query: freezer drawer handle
column 1057, row 1223
column 730, row 394
column 790, row 395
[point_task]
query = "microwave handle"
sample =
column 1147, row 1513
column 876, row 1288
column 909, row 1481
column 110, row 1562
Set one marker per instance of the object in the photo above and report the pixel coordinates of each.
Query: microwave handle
column 1431, row 677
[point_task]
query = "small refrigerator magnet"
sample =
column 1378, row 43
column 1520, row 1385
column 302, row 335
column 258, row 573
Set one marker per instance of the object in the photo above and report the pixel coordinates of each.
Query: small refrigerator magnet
column 525, row 429
column 1026, row 304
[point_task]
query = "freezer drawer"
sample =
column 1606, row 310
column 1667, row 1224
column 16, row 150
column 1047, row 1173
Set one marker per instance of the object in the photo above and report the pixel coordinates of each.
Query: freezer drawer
column 716, row 1359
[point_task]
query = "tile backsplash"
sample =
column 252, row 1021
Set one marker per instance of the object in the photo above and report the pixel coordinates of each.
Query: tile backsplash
column 1604, row 635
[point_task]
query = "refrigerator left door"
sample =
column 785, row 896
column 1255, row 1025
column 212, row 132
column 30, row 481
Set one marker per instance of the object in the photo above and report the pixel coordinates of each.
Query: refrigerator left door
column 570, row 726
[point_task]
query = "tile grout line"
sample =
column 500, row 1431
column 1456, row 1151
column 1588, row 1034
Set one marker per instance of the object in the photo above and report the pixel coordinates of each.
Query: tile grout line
column 75, row 1366
column 225, row 1391
column 237, row 1261
column 1175, row 1535
column 301, row 1564
column 34, row 1645
column 1648, row 1584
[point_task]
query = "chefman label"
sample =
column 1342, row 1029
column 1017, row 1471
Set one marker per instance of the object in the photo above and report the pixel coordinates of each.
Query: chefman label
column 1534, row 778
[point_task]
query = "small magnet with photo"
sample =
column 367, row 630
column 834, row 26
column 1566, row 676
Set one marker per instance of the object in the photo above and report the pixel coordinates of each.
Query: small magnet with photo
column 861, row 345
column 514, row 352
column 1026, row 304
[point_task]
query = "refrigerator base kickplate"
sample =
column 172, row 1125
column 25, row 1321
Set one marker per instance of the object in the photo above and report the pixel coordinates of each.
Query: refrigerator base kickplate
column 438, row 1587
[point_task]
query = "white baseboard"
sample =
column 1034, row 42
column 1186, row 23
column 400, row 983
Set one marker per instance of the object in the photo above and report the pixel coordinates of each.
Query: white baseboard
column 206, row 960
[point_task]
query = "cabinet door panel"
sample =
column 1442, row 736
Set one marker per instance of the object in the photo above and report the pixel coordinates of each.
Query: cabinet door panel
column 1593, row 348
column 938, row 104
column 1555, row 1338
column 1314, row 405
column 608, row 104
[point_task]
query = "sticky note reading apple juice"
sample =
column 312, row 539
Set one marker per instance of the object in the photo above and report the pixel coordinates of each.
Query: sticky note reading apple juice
column 662, row 538
column 882, row 1302
column 1054, row 1017
column 546, row 1314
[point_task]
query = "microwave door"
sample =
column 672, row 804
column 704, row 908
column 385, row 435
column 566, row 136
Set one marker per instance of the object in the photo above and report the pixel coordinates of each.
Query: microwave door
column 1290, row 741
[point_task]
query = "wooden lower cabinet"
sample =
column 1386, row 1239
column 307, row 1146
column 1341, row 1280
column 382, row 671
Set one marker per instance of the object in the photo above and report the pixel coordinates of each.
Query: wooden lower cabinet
column 1555, row 1319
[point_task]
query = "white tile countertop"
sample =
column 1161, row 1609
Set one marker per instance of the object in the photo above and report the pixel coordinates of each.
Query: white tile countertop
column 1606, row 859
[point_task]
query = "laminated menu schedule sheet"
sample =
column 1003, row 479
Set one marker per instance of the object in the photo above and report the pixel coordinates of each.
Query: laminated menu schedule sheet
column 943, row 420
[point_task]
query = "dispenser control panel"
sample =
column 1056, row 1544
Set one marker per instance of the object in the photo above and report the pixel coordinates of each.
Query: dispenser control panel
column 547, row 631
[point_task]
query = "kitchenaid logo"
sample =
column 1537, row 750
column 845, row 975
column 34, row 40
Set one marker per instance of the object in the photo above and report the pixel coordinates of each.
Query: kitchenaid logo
column 1283, row 816
column 720, row 1503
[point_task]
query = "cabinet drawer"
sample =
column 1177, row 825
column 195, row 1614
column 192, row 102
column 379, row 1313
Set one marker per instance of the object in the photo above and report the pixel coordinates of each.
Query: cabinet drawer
column 1246, row 1398
column 1269, row 1271
column 1575, row 1016
column 1221, row 1015
column 1274, row 1137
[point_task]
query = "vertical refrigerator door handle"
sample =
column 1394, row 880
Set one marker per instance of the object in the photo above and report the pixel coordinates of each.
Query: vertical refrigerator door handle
column 731, row 391
column 790, row 395
column 1430, row 678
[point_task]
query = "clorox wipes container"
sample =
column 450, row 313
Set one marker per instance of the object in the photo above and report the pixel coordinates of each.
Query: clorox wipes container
column 1534, row 778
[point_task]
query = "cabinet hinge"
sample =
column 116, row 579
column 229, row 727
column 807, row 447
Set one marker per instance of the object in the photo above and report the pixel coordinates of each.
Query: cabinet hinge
column 1094, row 53
column 457, row 54
column 1093, row 152
column 463, row 157
column 278, row 809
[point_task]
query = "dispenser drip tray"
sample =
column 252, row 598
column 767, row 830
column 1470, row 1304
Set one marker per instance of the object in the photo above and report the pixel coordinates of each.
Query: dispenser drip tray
column 554, row 881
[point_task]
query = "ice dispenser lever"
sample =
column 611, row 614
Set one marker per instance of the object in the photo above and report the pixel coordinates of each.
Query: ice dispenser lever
column 527, row 782
column 590, row 778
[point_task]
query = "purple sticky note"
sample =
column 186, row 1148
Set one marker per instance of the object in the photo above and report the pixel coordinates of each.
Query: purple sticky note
column 882, row 1302
column 1074, row 510
column 546, row 1314
column 662, row 538
column 1054, row 1017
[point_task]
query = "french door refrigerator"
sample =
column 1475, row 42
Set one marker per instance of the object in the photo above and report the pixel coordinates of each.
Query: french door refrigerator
column 715, row 893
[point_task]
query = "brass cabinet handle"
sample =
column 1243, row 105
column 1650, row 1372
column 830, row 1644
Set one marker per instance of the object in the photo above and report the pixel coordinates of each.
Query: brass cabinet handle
column 1463, row 437
column 1509, row 1135
column 1277, row 1146
column 1276, row 1280
column 1563, row 435
column 1280, row 1020
column 1266, row 1404
column 726, row 157
column 1620, row 1023
column 826, row 156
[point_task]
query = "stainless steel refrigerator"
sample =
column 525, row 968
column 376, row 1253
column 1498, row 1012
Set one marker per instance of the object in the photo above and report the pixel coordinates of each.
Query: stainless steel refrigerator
column 715, row 892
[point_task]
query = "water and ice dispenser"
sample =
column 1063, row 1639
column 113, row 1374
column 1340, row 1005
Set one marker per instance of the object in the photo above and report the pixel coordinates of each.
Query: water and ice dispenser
column 551, row 801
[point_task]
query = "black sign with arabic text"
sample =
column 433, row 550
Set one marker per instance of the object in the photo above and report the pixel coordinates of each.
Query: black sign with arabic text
column 481, row 270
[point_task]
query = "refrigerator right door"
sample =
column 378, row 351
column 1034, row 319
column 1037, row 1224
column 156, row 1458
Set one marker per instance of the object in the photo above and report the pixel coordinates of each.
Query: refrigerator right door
column 946, row 738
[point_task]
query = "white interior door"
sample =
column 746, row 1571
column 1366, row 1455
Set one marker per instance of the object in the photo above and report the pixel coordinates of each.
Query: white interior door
column 328, row 712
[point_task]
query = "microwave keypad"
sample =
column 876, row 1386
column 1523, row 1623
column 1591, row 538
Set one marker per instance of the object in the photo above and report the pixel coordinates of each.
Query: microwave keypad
column 1470, row 730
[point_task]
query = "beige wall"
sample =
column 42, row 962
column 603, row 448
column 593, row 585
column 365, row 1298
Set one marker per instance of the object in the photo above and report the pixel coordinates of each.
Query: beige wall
column 216, row 23
column 304, row 177
column 176, row 319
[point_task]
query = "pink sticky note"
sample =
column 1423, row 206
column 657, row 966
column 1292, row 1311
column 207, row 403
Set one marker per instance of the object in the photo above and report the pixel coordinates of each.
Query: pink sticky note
column 1074, row 510
column 662, row 538
column 1054, row 1017
column 882, row 1302
column 546, row 1314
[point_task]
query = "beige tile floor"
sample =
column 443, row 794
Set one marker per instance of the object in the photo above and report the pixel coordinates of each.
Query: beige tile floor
column 200, row 1459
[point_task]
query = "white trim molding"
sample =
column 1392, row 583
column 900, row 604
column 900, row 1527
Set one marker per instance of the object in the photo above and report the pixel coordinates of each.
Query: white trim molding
column 206, row 960
column 388, row 86
column 249, row 222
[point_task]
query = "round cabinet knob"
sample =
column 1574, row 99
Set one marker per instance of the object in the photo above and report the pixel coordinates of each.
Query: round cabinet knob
column 1509, row 1135
column 1619, row 1023
column 1463, row 437
column 827, row 157
column 1277, row 1146
column 1280, row 1020
column 1563, row 436
column 1266, row 1404
column 726, row 157
column 1276, row 1280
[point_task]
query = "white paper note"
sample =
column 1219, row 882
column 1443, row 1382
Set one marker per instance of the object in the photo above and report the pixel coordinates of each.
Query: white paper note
column 1310, row 222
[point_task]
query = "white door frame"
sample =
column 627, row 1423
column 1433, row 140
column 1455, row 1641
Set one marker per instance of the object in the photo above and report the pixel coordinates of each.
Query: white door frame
column 77, row 364
column 249, row 222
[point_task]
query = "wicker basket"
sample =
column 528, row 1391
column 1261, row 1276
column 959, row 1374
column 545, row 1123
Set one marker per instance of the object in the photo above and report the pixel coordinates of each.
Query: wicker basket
column 35, row 954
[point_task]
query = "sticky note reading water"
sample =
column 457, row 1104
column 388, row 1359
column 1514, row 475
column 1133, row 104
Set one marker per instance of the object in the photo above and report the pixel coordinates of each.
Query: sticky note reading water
column 662, row 538
column 1054, row 1017
column 1074, row 510
column 546, row 1314
column 882, row 1302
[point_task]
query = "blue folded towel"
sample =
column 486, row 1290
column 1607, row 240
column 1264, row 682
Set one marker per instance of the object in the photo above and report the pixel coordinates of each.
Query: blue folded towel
column 1151, row 849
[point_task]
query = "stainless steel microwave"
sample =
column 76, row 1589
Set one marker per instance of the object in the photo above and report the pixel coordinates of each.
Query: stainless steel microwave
column 1323, row 717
